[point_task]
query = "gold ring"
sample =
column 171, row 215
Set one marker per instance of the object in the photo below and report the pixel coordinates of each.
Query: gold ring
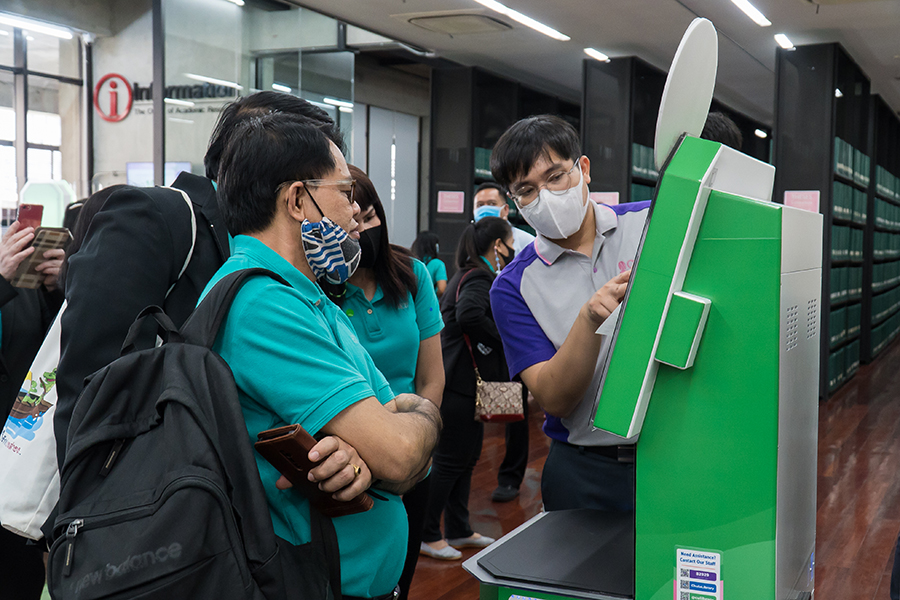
column 356, row 470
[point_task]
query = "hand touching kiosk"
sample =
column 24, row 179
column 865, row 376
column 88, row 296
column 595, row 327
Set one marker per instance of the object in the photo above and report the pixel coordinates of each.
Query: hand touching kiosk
column 715, row 366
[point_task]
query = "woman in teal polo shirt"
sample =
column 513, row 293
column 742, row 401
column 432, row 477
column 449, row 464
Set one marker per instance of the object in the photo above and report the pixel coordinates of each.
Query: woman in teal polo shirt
column 393, row 308
column 425, row 248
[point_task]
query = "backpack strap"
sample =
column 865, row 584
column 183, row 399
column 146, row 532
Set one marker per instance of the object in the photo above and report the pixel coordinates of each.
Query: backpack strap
column 324, row 538
column 190, row 254
column 203, row 325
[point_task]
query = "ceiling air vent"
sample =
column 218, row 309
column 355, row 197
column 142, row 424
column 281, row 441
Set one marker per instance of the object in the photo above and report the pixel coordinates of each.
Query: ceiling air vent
column 459, row 24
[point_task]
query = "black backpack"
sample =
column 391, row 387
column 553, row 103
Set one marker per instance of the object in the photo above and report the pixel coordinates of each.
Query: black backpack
column 160, row 495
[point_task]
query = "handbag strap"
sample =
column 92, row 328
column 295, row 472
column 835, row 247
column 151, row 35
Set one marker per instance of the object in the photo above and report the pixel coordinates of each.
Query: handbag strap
column 478, row 378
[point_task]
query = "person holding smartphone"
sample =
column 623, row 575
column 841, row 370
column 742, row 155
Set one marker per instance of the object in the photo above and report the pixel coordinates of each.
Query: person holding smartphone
column 25, row 317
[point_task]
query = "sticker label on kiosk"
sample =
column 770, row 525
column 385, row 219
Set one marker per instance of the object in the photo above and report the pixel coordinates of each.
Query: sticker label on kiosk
column 698, row 575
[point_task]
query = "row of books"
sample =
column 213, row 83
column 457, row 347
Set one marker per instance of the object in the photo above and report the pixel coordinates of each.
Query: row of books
column 847, row 243
column 846, row 283
column 643, row 163
column 483, row 163
column 887, row 214
column 850, row 203
column 887, row 245
column 887, row 185
column 844, row 324
column 842, row 365
column 884, row 275
column 851, row 163
column 884, row 334
column 885, row 304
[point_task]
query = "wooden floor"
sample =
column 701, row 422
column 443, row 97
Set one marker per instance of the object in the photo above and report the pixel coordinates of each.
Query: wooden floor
column 857, row 520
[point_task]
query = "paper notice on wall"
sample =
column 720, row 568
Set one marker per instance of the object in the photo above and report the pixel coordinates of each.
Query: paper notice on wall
column 804, row 200
column 608, row 198
column 698, row 575
column 451, row 202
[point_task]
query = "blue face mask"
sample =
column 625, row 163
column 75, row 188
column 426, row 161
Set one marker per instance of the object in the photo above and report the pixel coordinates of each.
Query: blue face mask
column 330, row 251
column 487, row 211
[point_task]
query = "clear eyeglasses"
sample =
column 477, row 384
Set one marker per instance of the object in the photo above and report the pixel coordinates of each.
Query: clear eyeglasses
column 557, row 184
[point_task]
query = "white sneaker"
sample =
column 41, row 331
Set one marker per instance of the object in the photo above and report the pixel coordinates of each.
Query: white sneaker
column 445, row 553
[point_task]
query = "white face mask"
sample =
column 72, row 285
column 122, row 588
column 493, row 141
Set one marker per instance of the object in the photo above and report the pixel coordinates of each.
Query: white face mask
column 557, row 216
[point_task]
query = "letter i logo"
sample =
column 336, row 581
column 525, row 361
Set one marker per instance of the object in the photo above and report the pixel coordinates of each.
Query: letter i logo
column 111, row 99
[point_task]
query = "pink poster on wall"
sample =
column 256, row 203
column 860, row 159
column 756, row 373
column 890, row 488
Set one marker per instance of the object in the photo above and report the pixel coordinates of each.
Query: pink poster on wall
column 804, row 200
column 608, row 198
column 451, row 202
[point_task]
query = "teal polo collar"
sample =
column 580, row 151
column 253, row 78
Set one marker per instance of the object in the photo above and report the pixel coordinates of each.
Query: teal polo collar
column 261, row 255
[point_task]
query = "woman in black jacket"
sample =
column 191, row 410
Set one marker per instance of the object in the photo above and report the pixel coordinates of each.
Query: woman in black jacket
column 485, row 248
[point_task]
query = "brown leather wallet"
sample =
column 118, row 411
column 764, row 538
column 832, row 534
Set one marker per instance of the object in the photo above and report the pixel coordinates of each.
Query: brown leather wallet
column 287, row 449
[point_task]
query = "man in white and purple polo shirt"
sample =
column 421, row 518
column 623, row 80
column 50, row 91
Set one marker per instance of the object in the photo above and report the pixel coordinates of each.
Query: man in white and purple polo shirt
column 551, row 299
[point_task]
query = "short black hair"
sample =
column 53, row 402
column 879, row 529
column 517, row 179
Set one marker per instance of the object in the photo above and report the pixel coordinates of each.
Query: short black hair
column 522, row 144
column 490, row 185
column 263, row 153
column 719, row 128
column 425, row 247
column 256, row 105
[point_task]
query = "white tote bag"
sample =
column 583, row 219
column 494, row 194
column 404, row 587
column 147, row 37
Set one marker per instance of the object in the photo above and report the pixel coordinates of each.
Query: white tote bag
column 29, row 476
column 28, row 472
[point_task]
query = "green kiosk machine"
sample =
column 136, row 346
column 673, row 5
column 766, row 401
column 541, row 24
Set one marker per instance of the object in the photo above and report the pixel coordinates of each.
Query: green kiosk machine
column 715, row 365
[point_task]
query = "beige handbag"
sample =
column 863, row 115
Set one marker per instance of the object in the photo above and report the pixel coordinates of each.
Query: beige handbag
column 495, row 401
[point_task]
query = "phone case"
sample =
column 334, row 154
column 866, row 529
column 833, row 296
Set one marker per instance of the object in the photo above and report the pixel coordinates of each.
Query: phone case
column 30, row 215
column 45, row 238
column 287, row 449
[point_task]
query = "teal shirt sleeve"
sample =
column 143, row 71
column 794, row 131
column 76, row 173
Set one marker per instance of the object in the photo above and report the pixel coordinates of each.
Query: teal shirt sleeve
column 428, row 311
column 287, row 358
column 440, row 271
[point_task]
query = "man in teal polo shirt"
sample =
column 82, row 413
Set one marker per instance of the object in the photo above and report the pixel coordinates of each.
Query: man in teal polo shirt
column 286, row 194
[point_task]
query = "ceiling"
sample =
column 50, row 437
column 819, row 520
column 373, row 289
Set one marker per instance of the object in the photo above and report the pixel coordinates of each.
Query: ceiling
column 651, row 29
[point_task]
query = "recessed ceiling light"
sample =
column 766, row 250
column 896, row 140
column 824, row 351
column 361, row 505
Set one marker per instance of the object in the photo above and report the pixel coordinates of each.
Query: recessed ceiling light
column 178, row 102
column 281, row 88
column 238, row 2
column 5, row 32
column 214, row 81
column 838, row 93
column 783, row 41
column 344, row 109
column 524, row 20
column 752, row 12
column 761, row 134
column 334, row 102
column 36, row 27
column 594, row 53
column 30, row 38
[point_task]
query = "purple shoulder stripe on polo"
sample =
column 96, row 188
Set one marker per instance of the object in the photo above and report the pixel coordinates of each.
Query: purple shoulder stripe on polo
column 524, row 342
column 621, row 209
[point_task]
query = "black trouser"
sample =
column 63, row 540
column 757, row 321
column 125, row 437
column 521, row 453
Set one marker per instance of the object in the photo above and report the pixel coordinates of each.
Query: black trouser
column 451, row 472
column 512, row 469
column 21, row 568
column 416, row 503
column 575, row 477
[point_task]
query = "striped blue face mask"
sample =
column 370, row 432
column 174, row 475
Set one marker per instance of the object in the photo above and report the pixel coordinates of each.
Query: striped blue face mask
column 330, row 251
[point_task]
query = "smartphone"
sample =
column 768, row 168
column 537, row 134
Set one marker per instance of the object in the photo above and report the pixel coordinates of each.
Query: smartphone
column 45, row 238
column 30, row 215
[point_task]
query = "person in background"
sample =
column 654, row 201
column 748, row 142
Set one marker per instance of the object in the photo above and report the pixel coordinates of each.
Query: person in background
column 393, row 308
column 425, row 248
column 25, row 317
column 490, row 201
column 286, row 194
column 550, row 339
column 720, row 128
column 485, row 248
